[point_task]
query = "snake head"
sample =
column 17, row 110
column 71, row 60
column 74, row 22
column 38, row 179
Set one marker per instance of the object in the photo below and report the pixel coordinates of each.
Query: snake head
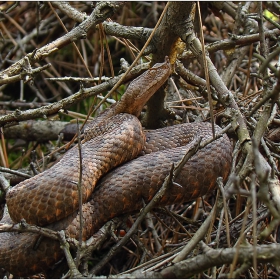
column 142, row 88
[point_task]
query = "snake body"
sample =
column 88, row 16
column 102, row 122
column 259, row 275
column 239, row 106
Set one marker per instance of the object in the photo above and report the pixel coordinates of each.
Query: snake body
column 52, row 196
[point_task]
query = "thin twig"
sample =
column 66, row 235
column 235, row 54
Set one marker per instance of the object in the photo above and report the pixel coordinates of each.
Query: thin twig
column 18, row 173
column 66, row 249
column 74, row 44
column 199, row 235
column 80, row 190
column 206, row 72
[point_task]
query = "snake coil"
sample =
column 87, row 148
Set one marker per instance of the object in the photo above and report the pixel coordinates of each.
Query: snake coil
column 51, row 197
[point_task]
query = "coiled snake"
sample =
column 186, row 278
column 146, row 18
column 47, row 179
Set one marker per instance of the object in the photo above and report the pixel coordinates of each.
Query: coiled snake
column 51, row 198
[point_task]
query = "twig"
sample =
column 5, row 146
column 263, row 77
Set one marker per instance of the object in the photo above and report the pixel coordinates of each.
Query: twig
column 206, row 72
column 236, row 274
column 176, row 219
column 80, row 194
column 254, row 214
column 22, row 226
column 151, row 227
column 136, row 239
column 265, row 62
column 95, row 242
column 274, row 169
column 18, row 173
column 226, row 213
column 173, row 230
column 4, row 184
column 263, row 44
column 238, row 243
column 199, row 235
column 71, row 12
column 74, row 272
column 167, row 256
column 235, row 40
column 74, row 44
column 24, row 75
column 269, row 94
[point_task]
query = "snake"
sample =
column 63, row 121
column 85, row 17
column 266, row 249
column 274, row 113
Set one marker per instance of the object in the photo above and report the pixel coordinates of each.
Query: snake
column 122, row 165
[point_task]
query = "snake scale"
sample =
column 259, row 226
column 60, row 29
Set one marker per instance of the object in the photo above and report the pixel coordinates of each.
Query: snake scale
column 50, row 198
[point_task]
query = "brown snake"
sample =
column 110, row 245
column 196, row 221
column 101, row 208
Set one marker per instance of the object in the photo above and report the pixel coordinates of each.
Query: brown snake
column 52, row 197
